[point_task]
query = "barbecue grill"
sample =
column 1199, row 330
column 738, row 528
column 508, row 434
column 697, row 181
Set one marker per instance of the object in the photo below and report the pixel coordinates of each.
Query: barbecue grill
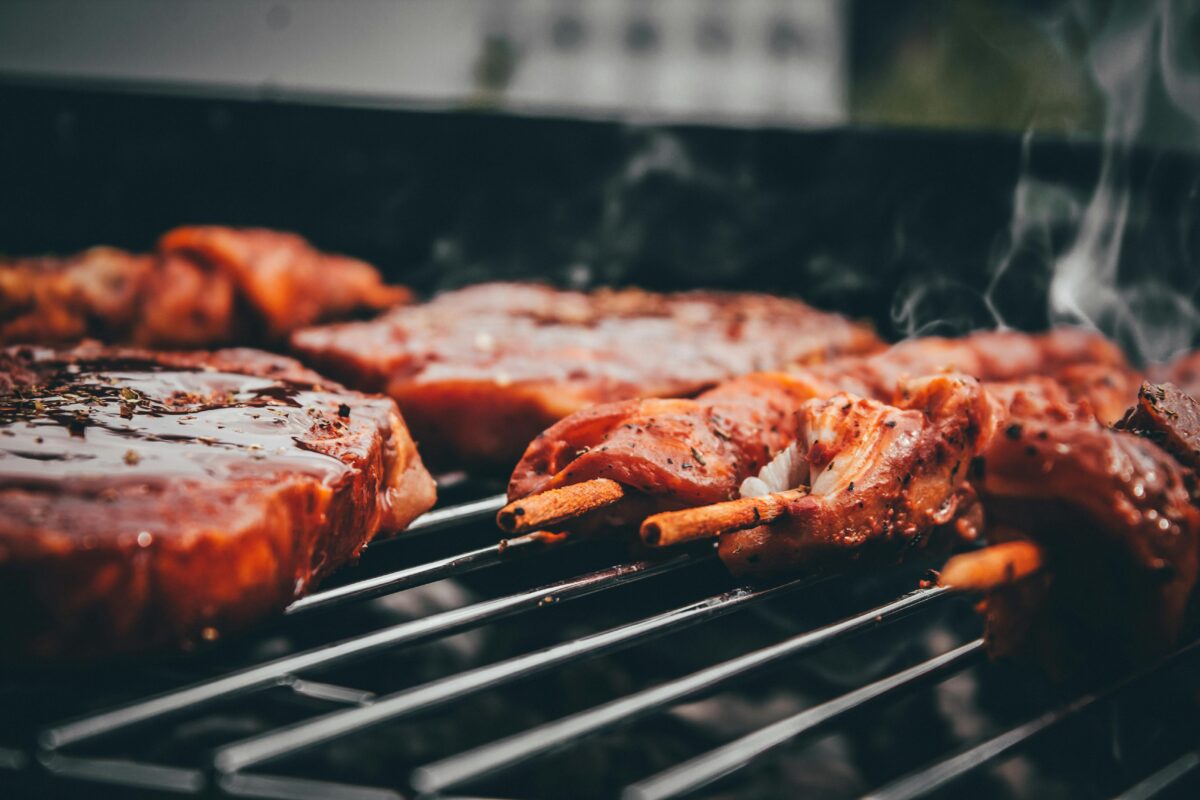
column 673, row 639
column 447, row 664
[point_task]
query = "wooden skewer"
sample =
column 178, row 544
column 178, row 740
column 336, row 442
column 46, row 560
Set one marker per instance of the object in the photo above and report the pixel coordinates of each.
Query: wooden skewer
column 546, row 509
column 675, row 527
column 994, row 566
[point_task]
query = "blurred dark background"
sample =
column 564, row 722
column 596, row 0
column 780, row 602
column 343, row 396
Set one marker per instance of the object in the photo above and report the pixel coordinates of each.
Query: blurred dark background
column 926, row 163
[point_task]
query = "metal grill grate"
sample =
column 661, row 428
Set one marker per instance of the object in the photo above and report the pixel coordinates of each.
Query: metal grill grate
column 233, row 768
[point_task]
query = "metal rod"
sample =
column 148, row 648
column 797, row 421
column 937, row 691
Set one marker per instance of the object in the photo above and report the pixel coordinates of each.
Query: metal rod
column 331, row 693
column 460, row 514
column 283, row 786
column 123, row 772
column 310, row 733
column 932, row 778
column 1163, row 779
column 273, row 672
column 710, row 766
column 495, row 756
column 458, row 564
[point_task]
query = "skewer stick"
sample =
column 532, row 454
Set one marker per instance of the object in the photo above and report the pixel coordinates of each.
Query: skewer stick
column 546, row 509
column 994, row 566
column 675, row 527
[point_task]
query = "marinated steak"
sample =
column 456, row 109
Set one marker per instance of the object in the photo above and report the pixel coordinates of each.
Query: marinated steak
column 203, row 287
column 479, row 372
column 156, row 499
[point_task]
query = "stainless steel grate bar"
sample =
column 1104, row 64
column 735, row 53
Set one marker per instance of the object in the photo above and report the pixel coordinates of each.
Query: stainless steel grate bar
column 1163, row 779
column 279, row 787
column 274, row 672
column 330, row 693
column 259, row 749
column 929, row 779
column 122, row 772
column 474, row 764
column 710, row 766
column 460, row 514
column 458, row 564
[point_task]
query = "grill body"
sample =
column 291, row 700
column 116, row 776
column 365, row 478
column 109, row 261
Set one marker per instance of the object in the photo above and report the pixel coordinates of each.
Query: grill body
column 442, row 664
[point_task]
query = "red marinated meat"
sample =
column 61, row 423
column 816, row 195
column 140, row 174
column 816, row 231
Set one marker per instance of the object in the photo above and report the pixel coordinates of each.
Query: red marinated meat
column 203, row 287
column 480, row 371
column 154, row 500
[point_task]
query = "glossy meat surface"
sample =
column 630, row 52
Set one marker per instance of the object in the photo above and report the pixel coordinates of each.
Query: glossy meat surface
column 880, row 477
column 739, row 426
column 1113, row 513
column 155, row 500
column 1168, row 417
column 479, row 372
column 202, row 287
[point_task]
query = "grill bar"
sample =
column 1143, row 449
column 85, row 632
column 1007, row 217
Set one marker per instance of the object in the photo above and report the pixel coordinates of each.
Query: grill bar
column 940, row 774
column 710, row 766
column 274, row 672
column 266, row 747
column 330, row 693
column 1163, row 779
column 458, row 564
column 455, row 515
column 278, row 786
column 122, row 772
column 506, row 753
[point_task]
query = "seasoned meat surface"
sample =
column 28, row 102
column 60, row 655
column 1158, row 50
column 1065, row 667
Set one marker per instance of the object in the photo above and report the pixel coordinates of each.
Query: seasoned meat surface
column 1168, row 417
column 480, row 371
column 160, row 499
column 98, row 292
column 880, row 476
column 202, row 287
column 1112, row 511
column 694, row 452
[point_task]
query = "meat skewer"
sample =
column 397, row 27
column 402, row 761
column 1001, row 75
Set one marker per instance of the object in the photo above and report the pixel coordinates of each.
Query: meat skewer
column 876, row 476
column 993, row 566
column 676, row 454
column 557, row 505
column 881, row 477
column 676, row 527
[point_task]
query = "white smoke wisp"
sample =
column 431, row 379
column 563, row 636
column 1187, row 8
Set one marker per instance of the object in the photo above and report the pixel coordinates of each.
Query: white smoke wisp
column 1087, row 286
column 1038, row 208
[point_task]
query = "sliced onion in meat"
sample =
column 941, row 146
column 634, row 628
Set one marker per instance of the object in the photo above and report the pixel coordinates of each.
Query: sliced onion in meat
column 787, row 470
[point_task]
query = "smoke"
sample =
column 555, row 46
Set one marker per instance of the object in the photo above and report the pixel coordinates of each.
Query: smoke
column 1094, row 282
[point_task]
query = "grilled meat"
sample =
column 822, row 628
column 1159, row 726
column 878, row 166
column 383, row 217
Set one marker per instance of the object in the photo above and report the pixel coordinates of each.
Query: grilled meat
column 1111, row 509
column 1168, row 417
column 880, row 477
column 693, row 452
column 94, row 293
column 481, row 371
column 203, row 287
column 156, row 499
